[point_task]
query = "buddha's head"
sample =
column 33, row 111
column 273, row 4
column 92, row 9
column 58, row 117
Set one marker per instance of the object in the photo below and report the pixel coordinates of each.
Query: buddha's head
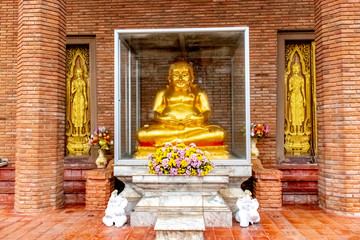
column 181, row 75
column 296, row 68
column 78, row 72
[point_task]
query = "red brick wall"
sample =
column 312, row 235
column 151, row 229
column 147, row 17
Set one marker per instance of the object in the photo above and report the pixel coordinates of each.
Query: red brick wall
column 41, row 59
column 338, row 88
column 8, row 47
column 40, row 105
column 264, row 19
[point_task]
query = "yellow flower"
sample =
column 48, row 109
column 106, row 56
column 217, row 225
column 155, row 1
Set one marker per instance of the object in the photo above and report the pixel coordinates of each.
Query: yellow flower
column 152, row 170
column 184, row 164
column 199, row 156
column 172, row 162
column 181, row 145
column 193, row 172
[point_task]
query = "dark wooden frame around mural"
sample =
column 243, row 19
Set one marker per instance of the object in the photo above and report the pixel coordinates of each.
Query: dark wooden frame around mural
column 91, row 41
column 282, row 37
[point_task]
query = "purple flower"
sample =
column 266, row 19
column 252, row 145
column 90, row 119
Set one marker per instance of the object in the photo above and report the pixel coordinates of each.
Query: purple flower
column 182, row 153
column 178, row 162
column 175, row 149
column 199, row 151
column 155, row 164
column 193, row 157
column 173, row 171
column 97, row 131
column 266, row 129
column 165, row 163
column 157, row 169
column 168, row 144
column 192, row 145
column 169, row 155
column 195, row 164
column 187, row 172
column 199, row 171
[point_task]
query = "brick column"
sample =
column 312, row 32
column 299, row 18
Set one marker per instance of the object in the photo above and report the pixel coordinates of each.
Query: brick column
column 99, row 186
column 40, row 113
column 337, row 36
column 267, row 188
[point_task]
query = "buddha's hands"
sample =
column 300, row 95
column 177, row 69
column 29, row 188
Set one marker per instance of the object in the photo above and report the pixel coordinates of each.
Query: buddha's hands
column 193, row 120
column 168, row 119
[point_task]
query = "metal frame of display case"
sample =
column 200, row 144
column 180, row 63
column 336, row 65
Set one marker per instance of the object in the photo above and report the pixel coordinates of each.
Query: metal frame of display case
column 117, row 98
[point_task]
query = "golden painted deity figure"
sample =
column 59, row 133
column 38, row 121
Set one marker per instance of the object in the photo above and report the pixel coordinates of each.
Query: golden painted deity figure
column 296, row 95
column 181, row 112
column 79, row 103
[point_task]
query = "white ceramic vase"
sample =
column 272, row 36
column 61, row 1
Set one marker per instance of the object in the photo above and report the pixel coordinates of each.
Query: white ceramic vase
column 101, row 160
column 254, row 150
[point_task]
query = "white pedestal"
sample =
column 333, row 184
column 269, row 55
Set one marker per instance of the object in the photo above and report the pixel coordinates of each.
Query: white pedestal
column 167, row 197
column 184, row 227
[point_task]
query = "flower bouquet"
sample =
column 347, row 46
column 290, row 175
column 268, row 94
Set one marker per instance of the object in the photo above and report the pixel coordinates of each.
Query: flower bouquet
column 180, row 160
column 259, row 130
column 101, row 140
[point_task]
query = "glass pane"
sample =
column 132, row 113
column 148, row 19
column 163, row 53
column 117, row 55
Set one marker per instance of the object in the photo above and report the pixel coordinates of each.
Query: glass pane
column 124, row 101
column 239, row 107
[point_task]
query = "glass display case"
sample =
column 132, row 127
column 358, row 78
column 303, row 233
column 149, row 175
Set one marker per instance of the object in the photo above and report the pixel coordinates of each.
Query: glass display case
column 220, row 60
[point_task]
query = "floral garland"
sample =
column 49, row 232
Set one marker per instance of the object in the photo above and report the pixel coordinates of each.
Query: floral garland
column 180, row 160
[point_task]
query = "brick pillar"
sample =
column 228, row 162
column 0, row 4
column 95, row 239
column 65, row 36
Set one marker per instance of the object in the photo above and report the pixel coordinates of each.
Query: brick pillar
column 40, row 113
column 99, row 186
column 267, row 188
column 337, row 37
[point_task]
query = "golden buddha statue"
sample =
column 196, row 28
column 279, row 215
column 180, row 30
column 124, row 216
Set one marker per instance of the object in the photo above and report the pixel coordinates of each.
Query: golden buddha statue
column 181, row 111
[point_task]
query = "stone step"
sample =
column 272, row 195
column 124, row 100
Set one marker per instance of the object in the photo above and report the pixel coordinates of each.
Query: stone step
column 185, row 227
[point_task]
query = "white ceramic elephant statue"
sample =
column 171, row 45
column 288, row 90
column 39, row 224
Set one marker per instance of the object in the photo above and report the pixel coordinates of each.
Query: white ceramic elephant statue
column 247, row 212
column 115, row 211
